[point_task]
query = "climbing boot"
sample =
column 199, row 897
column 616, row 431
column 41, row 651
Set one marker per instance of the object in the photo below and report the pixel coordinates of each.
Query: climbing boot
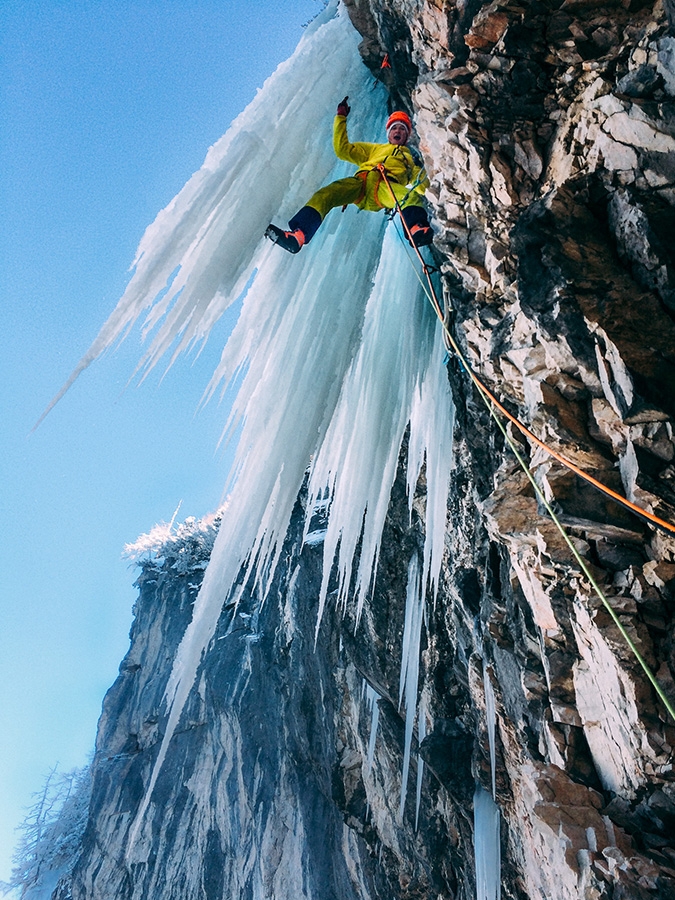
column 418, row 230
column 422, row 236
column 289, row 240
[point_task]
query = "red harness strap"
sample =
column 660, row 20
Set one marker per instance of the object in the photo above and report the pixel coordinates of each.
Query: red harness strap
column 363, row 175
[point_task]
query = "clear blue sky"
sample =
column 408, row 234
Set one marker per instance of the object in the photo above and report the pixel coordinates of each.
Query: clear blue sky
column 107, row 108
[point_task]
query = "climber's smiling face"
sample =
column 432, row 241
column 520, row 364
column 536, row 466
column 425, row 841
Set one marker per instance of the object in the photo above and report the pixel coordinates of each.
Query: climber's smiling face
column 398, row 134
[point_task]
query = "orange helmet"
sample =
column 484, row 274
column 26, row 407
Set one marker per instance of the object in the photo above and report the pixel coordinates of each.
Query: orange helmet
column 401, row 117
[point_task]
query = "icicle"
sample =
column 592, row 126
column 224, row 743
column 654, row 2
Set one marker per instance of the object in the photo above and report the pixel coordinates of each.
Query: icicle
column 486, row 812
column 334, row 352
column 371, row 704
column 359, row 455
column 410, row 664
column 298, row 329
column 195, row 258
column 421, row 734
column 431, row 428
column 487, row 849
column 491, row 716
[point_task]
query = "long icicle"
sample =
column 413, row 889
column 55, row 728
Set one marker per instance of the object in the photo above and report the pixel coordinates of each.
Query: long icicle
column 410, row 664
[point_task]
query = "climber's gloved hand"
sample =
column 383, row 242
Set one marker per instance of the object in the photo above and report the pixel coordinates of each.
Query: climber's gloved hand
column 343, row 107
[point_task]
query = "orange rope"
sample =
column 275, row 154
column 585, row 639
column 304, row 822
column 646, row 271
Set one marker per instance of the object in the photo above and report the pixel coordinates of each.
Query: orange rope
column 452, row 344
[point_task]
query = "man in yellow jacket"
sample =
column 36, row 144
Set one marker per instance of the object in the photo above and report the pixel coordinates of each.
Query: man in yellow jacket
column 368, row 188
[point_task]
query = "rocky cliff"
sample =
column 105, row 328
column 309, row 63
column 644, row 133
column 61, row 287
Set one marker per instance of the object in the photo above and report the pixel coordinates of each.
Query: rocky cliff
column 548, row 131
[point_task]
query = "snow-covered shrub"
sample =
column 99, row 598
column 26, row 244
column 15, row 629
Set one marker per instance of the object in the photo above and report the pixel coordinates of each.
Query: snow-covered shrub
column 183, row 548
column 51, row 835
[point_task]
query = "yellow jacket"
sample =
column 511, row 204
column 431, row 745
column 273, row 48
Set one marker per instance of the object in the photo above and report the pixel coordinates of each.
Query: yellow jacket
column 398, row 161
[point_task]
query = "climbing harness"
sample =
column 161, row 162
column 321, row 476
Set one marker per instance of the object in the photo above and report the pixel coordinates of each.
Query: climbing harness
column 399, row 153
column 492, row 405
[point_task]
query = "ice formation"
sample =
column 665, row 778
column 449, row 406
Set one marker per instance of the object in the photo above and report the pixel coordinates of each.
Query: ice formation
column 486, row 845
column 421, row 734
column 491, row 719
column 371, row 704
column 486, row 814
column 410, row 663
column 335, row 353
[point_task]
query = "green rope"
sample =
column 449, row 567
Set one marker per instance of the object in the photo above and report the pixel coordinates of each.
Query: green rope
column 416, row 270
column 540, row 494
column 416, row 183
column 582, row 563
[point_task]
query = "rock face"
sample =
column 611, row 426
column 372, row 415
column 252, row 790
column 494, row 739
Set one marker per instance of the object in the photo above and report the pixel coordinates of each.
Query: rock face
column 250, row 802
column 548, row 132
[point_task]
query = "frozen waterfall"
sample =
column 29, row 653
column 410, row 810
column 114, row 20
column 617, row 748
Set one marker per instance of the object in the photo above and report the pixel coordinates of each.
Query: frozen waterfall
column 335, row 354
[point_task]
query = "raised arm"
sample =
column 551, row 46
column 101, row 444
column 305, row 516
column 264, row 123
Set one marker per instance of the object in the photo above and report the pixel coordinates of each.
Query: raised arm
column 356, row 153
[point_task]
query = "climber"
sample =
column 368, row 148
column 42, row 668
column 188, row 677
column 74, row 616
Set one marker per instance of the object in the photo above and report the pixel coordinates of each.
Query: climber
column 367, row 188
